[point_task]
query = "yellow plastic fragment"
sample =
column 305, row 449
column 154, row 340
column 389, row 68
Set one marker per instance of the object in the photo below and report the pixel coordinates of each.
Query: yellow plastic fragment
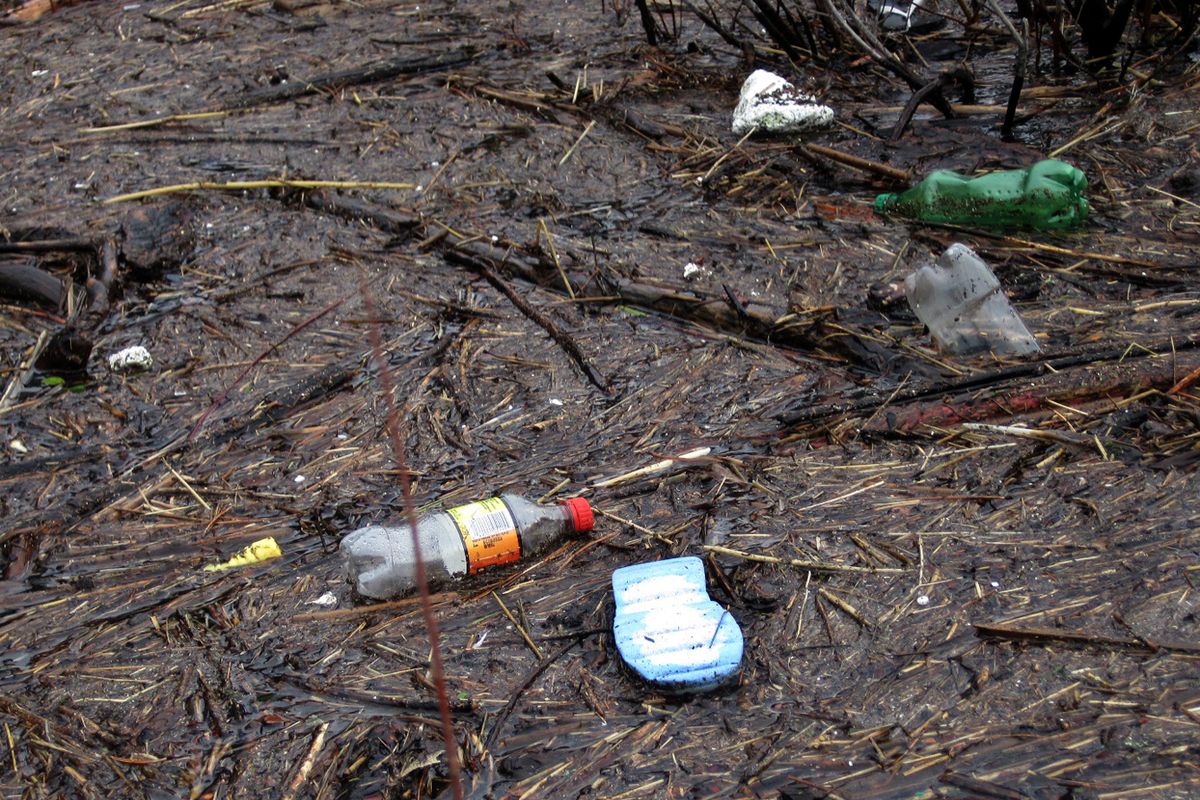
column 256, row 553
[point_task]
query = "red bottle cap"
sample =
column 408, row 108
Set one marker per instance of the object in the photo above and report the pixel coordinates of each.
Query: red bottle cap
column 582, row 518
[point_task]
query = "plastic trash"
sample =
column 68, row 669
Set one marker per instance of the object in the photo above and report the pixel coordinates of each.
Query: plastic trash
column 1047, row 195
column 254, row 553
column 381, row 563
column 899, row 16
column 669, row 631
column 130, row 359
column 966, row 311
column 770, row 103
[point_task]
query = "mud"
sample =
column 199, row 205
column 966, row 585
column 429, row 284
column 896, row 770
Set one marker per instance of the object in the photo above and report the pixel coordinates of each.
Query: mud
column 566, row 183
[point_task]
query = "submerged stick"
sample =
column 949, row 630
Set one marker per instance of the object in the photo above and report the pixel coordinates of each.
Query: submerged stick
column 1014, row 95
column 390, row 605
column 221, row 399
column 368, row 73
column 1059, row 381
column 1045, row 635
column 960, row 75
column 1113, row 381
column 20, row 377
column 99, row 287
column 982, row 788
column 564, row 340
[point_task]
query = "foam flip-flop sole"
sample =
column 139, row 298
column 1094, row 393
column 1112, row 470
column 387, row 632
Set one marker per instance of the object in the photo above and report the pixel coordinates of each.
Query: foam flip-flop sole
column 669, row 631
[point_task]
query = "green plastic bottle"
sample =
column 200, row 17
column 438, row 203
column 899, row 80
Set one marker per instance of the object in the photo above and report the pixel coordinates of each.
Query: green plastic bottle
column 1047, row 195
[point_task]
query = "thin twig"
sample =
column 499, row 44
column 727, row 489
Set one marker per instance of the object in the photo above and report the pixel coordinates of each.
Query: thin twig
column 1045, row 635
column 277, row 183
column 22, row 374
column 431, row 624
column 307, row 764
column 258, row 360
column 557, row 334
column 520, row 628
column 690, row 457
column 799, row 563
column 863, row 164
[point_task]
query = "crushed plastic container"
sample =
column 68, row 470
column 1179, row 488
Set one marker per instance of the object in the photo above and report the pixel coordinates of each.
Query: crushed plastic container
column 382, row 563
column 901, row 16
column 254, row 553
column 1047, row 195
column 966, row 311
column 773, row 104
column 669, row 631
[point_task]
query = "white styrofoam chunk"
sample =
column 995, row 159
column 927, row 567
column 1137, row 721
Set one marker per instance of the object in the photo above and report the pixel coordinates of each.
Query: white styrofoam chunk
column 771, row 103
column 131, row 358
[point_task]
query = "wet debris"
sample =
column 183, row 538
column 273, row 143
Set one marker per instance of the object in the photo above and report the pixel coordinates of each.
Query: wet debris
column 917, row 17
column 22, row 279
column 961, row 302
column 156, row 238
column 773, row 104
column 952, row 574
column 67, row 351
column 132, row 359
column 254, row 553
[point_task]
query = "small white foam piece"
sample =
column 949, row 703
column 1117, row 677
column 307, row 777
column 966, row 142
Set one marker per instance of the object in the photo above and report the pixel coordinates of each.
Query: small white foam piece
column 130, row 359
column 327, row 600
column 771, row 103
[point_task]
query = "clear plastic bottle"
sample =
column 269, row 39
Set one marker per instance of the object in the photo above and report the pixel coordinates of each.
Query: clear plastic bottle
column 1047, row 195
column 381, row 562
column 966, row 311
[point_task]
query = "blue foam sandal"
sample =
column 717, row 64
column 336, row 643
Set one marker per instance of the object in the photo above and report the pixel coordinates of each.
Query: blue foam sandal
column 669, row 631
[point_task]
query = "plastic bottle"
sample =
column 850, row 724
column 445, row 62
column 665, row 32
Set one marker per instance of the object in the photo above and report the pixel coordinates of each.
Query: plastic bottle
column 1047, row 195
column 962, row 304
column 381, row 562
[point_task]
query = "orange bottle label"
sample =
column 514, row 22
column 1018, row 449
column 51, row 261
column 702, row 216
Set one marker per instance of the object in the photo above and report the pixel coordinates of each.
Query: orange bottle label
column 489, row 533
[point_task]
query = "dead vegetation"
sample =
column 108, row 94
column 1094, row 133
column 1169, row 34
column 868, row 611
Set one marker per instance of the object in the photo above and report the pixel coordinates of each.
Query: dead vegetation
column 957, row 578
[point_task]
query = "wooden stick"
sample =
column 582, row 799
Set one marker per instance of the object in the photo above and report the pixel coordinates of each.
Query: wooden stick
column 564, row 340
column 307, row 764
column 98, row 287
column 655, row 468
column 369, row 73
column 520, row 628
column 815, row 566
column 845, row 606
column 391, row 605
column 1044, row 635
column 22, row 373
column 264, row 184
column 236, row 381
column 863, row 164
column 983, row 788
column 28, row 282
column 1059, row 381
column 48, row 246
column 147, row 123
